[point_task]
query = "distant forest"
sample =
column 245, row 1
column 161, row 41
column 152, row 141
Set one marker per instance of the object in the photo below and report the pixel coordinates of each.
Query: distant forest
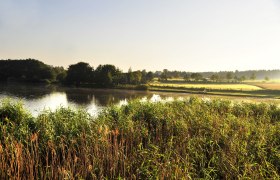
column 31, row 70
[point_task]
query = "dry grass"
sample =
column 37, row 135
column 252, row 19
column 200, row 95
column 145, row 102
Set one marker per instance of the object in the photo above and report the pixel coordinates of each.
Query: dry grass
column 269, row 86
column 243, row 87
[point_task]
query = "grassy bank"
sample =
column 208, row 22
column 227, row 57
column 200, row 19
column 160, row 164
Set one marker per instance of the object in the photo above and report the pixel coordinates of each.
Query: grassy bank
column 187, row 139
column 263, row 90
column 220, row 89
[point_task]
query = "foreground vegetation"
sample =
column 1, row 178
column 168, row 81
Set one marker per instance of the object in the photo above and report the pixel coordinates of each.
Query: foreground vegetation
column 194, row 138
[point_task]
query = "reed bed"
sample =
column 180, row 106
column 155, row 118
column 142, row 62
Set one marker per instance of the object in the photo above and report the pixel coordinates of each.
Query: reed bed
column 189, row 139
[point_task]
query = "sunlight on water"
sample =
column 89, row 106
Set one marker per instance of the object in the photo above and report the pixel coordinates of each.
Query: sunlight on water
column 93, row 108
column 155, row 98
column 123, row 102
column 49, row 102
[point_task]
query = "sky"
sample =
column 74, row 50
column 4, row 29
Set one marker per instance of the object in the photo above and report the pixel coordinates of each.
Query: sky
column 185, row 35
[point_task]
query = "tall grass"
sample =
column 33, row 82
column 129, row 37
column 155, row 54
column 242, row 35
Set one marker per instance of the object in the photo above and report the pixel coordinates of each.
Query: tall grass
column 142, row 140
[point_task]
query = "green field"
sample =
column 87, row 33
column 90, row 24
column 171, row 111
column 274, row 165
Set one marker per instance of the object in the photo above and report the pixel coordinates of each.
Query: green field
column 190, row 139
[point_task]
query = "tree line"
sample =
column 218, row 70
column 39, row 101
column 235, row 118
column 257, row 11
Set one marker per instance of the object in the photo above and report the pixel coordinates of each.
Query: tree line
column 31, row 70
column 222, row 76
column 104, row 75
column 27, row 70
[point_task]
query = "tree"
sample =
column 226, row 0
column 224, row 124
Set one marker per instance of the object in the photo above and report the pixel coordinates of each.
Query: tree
column 215, row 77
column 187, row 77
column 196, row 76
column 253, row 76
column 163, row 76
column 266, row 78
column 236, row 79
column 26, row 70
column 243, row 78
column 107, row 75
column 229, row 76
column 79, row 73
column 60, row 74
column 144, row 75
column 135, row 77
column 149, row 76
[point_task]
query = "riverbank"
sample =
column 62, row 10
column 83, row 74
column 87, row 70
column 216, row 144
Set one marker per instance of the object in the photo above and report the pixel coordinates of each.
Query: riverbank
column 194, row 138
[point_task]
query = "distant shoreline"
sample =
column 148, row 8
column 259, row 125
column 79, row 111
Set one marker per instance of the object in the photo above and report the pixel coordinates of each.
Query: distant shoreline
column 263, row 93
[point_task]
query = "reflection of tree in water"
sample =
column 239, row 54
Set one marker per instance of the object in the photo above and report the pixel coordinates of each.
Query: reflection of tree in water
column 27, row 91
column 99, row 97
column 79, row 98
column 105, row 100
column 85, row 97
column 109, row 98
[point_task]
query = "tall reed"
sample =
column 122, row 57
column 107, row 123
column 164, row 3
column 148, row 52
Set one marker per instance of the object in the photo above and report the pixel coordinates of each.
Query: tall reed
column 189, row 139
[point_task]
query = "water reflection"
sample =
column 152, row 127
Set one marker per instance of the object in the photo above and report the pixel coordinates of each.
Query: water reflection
column 27, row 91
column 39, row 97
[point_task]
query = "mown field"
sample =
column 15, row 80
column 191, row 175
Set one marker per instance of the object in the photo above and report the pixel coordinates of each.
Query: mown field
column 270, row 86
column 187, row 139
column 217, row 86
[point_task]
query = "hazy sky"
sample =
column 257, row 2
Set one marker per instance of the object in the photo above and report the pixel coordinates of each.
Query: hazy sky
column 190, row 35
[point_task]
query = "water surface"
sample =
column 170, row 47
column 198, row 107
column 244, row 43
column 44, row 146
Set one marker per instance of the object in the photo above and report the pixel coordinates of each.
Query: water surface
column 37, row 98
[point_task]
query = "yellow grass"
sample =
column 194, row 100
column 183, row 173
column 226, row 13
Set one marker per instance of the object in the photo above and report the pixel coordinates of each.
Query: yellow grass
column 271, row 86
column 244, row 87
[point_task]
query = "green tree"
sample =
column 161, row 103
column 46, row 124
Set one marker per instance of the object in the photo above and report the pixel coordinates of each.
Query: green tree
column 26, row 70
column 60, row 74
column 79, row 73
column 135, row 77
column 266, row 78
column 229, row 76
column 187, row 77
column 215, row 77
column 164, row 75
column 149, row 76
column 196, row 76
column 236, row 79
column 107, row 75
column 253, row 76
column 243, row 78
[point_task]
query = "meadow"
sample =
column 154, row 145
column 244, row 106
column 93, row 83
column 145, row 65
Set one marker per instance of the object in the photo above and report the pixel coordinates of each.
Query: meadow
column 182, row 139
